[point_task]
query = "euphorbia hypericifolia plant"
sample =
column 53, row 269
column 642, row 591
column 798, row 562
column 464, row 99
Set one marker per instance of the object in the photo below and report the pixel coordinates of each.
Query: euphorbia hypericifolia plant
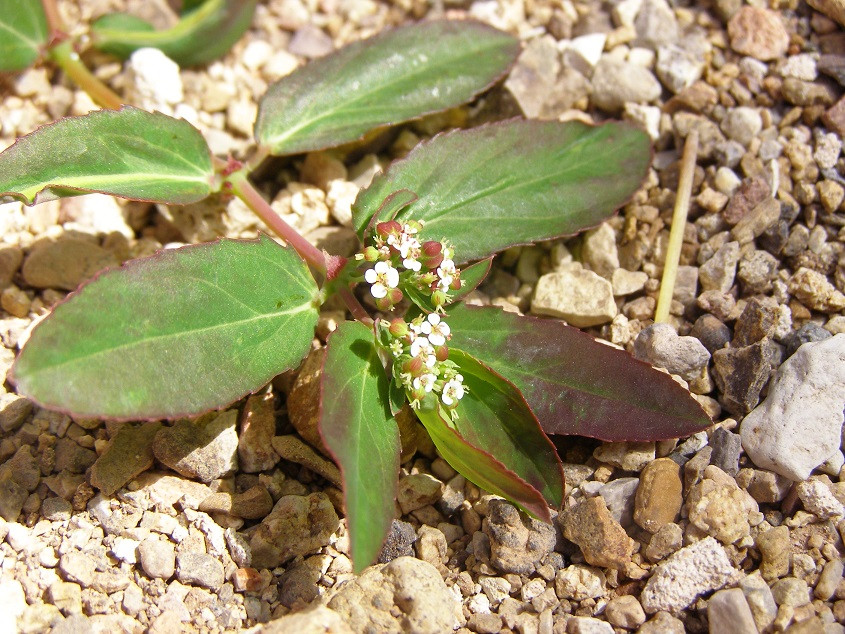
column 199, row 327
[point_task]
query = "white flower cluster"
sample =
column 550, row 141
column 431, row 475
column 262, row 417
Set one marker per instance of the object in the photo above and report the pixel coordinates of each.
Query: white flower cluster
column 399, row 258
column 420, row 360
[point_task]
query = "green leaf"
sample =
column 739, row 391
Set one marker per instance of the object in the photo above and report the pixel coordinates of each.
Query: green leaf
column 393, row 77
column 23, row 31
column 202, row 35
column 481, row 468
column 511, row 183
column 175, row 334
column 574, row 384
column 129, row 153
column 358, row 429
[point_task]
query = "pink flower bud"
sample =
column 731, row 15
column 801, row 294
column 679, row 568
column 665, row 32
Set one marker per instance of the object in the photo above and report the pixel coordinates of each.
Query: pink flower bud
column 413, row 366
column 456, row 283
column 441, row 352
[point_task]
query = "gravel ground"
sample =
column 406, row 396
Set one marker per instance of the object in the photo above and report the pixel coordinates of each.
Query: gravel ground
column 231, row 523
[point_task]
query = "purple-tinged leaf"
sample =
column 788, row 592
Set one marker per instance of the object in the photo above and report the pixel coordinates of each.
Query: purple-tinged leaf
column 129, row 153
column 481, row 468
column 395, row 76
column 574, row 384
column 203, row 34
column 357, row 427
column 184, row 331
column 512, row 183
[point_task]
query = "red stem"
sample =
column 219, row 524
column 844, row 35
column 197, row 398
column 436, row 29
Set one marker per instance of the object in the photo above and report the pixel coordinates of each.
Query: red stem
column 354, row 306
column 54, row 22
column 244, row 190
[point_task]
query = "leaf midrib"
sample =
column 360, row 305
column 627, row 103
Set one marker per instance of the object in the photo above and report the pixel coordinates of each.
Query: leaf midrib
column 173, row 335
column 326, row 113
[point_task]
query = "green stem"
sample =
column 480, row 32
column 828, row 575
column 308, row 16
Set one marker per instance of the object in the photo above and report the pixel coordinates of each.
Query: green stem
column 66, row 58
column 244, row 190
column 676, row 234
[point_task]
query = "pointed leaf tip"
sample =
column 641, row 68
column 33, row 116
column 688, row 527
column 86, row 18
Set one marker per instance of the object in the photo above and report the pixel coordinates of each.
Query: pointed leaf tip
column 176, row 334
column 522, row 181
column 392, row 77
column 128, row 153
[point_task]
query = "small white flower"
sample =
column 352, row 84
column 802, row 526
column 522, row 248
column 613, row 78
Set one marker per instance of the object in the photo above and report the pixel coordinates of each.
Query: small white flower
column 382, row 277
column 409, row 247
column 425, row 381
column 422, row 348
column 411, row 264
column 436, row 330
column 453, row 391
column 396, row 347
column 446, row 272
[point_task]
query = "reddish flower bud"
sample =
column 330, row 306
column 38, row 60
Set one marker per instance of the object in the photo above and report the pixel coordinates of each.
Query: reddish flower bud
column 441, row 352
column 398, row 327
column 431, row 248
column 391, row 227
column 418, row 394
column 456, row 284
column 395, row 295
column 413, row 366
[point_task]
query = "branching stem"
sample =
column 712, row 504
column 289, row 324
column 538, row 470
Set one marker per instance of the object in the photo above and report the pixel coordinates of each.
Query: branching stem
column 66, row 58
column 679, row 223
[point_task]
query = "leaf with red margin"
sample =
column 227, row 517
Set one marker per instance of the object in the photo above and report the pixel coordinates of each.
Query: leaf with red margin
column 574, row 384
column 395, row 76
column 176, row 334
column 129, row 153
column 496, row 442
column 359, row 431
column 513, row 182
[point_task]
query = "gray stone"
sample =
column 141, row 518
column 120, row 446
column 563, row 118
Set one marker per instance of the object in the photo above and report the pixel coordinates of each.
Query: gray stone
column 14, row 410
column 517, row 542
column 405, row 596
column 625, row 612
column 727, row 447
column 678, row 68
column 581, row 297
column 617, row 82
column 719, row 271
column 661, row 346
column 418, row 490
column 619, row 495
column 10, row 261
column 756, row 271
column 199, row 569
column 157, row 558
column 805, row 334
column 398, row 543
column 655, row 24
column 727, row 611
column 675, row 583
column 799, row 424
column 56, row 509
column 310, row 41
column 742, row 124
column 741, row 373
column 297, row 525
column 710, row 331
column 760, row 601
column 203, row 449
column 73, row 458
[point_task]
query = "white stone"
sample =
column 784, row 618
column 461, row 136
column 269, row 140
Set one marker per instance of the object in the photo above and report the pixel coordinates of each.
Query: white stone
column 125, row 549
column 581, row 297
column 95, row 213
column 626, row 11
column 12, row 604
column 584, row 52
column 479, row 604
column 798, row 426
column 256, row 54
column 677, row 68
column 339, row 197
column 819, row 500
column 689, row 573
column 588, row 625
column 647, row 117
column 155, row 80
column 578, row 582
column 803, row 66
column 828, row 147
